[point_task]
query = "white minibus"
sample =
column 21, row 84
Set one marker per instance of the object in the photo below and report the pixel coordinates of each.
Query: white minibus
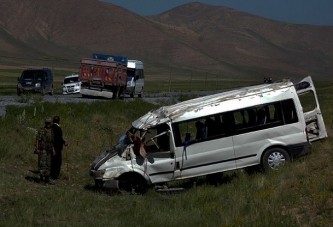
column 258, row 125
column 135, row 78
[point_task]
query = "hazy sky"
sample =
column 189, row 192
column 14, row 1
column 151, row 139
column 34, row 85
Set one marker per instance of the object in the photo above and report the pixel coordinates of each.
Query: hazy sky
column 316, row 12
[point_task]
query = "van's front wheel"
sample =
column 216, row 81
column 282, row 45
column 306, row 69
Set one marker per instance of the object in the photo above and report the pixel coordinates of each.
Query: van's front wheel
column 275, row 158
column 132, row 183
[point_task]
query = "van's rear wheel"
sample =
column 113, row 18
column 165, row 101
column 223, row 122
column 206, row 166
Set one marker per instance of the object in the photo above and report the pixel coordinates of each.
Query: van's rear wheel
column 275, row 158
column 140, row 95
column 132, row 183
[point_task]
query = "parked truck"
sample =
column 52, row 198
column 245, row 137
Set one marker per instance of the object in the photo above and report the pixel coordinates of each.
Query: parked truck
column 135, row 75
column 103, row 77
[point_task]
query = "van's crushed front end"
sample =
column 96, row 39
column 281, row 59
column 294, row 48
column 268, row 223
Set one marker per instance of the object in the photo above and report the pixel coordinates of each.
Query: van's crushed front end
column 110, row 169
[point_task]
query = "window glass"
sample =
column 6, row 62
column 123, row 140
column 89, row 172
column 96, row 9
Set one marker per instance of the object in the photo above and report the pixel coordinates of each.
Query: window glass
column 157, row 139
column 258, row 117
column 199, row 130
column 308, row 101
column 289, row 111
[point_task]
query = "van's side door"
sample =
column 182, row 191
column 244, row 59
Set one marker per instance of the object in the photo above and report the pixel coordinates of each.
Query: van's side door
column 203, row 153
column 311, row 109
column 139, row 81
column 160, row 162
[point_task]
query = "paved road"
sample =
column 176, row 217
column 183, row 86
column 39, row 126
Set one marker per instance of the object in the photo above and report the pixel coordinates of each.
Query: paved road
column 156, row 98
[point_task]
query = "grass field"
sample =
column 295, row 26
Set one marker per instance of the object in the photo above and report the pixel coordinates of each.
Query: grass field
column 300, row 194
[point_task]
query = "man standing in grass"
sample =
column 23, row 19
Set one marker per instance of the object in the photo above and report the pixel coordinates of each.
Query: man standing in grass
column 45, row 150
column 58, row 144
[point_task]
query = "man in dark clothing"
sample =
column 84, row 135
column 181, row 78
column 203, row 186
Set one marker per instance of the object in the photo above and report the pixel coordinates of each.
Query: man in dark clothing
column 45, row 150
column 58, row 144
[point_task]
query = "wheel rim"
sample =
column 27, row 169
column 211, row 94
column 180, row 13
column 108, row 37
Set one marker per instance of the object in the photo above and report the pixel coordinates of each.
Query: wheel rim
column 276, row 159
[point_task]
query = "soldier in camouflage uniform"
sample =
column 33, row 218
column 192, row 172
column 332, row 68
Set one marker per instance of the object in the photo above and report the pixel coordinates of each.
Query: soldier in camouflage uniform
column 45, row 150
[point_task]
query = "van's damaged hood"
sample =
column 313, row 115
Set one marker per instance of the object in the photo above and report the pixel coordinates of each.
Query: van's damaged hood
column 152, row 118
column 102, row 158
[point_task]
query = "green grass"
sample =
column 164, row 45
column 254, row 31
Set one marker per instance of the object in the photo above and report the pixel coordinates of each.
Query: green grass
column 298, row 195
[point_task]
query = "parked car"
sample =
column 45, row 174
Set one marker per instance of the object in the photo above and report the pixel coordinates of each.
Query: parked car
column 35, row 81
column 71, row 84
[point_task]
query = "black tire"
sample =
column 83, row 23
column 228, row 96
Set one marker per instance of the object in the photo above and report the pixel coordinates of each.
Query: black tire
column 140, row 95
column 121, row 93
column 132, row 93
column 132, row 183
column 115, row 93
column 51, row 92
column 275, row 158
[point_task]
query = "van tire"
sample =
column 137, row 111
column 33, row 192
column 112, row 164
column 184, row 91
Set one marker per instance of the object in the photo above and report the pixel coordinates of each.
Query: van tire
column 132, row 183
column 140, row 95
column 274, row 158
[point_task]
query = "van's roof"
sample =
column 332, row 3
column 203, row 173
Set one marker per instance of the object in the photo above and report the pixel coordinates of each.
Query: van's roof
column 134, row 64
column 212, row 104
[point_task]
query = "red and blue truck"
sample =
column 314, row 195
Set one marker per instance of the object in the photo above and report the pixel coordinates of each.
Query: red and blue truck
column 103, row 76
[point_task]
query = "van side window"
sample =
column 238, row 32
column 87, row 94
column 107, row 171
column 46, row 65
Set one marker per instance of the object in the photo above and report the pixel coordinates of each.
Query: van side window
column 289, row 111
column 199, row 130
column 157, row 139
column 257, row 118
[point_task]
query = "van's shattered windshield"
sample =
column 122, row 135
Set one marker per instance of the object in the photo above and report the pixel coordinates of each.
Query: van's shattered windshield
column 145, row 141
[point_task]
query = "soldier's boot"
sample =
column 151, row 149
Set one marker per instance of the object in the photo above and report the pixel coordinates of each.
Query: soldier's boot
column 41, row 179
column 47, row 181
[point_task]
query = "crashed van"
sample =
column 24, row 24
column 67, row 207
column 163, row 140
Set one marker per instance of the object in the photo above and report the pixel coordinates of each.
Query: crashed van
column 258, row 125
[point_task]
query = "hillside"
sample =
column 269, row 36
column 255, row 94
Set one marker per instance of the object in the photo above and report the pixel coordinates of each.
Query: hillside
column 194, row 36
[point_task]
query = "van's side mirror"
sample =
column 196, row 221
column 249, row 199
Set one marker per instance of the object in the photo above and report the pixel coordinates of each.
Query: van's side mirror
column 18, row 78
column 136, row 77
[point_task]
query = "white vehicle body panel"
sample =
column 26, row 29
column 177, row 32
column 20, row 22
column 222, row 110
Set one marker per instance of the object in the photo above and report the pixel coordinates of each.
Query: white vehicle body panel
column 232, row 149
column 135, row 75
column 314, row 119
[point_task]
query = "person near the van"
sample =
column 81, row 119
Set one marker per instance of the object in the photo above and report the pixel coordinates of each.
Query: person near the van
column 45, row 150
column 58, row 144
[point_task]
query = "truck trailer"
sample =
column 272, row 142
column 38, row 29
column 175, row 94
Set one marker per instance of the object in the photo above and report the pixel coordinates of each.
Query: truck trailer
column 103, row 78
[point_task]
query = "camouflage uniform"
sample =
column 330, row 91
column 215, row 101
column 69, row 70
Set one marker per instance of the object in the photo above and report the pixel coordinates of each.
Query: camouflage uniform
column 45, row 146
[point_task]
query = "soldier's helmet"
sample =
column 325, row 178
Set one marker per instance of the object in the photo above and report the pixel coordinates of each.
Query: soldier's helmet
column 48, row 120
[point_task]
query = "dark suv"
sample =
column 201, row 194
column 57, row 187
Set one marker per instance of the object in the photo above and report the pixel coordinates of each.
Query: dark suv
column 35, row 81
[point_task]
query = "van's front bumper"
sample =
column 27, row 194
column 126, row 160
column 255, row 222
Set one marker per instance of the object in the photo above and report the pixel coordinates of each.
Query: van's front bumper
column 98, row 177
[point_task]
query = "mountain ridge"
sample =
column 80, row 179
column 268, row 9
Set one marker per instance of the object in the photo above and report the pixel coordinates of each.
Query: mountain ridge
column 193, row 36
